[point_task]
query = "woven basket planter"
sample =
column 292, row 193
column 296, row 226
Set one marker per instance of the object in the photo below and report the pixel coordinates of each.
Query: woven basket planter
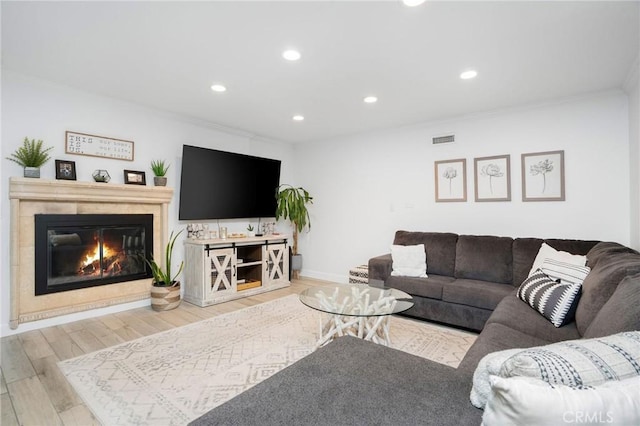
column 165, row 298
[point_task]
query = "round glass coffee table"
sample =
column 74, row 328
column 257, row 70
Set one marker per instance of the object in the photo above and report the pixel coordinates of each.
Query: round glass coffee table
column 356, row 310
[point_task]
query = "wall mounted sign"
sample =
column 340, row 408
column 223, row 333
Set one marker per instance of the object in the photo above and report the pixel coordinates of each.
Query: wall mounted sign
column 98, row 146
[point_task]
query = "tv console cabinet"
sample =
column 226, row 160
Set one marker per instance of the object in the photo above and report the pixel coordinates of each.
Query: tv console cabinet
column 220, row 270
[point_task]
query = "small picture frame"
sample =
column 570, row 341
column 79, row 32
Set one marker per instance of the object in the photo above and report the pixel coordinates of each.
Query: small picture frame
column 543, row 176
column 65, row 170
column 134, row 177
column 451, row 180
column 492, row 178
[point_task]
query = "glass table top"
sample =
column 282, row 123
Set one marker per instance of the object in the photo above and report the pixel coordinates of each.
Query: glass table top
column 356, row 300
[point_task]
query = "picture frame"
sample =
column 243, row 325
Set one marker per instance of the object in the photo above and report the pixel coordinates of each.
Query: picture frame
column 543, row 176
column 492, row 178
column 135, row 177
column 77, row 143
column 451, row 180
column 65, row 170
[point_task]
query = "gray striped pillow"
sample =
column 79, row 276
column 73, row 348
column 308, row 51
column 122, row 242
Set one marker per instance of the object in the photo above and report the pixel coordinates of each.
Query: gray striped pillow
column 565, row 272
column 556, row 301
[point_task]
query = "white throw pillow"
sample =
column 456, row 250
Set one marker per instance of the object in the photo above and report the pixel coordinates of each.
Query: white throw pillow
column 565, row 272
column 409, row 261
column 488, row 366
column 548, row 252
column 526, row 401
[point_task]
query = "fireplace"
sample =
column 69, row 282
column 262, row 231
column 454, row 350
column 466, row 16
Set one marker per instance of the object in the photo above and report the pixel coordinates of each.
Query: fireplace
column 75, row 251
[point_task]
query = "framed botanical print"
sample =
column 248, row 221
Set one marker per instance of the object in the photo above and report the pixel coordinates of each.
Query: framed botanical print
column 451, row 180
column 492, row 178
column 543, row 176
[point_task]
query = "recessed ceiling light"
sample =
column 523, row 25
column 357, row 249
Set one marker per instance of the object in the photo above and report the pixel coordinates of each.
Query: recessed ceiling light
column 218, row 88
column 298, row 117
column 291, row 55
column 370, row 100
column 468, row 74
column 412, row 3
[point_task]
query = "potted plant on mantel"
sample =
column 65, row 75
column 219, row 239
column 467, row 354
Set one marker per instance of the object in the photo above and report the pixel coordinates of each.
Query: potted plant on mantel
column 31, row 156
column 292, row 205
column 165, row 292
column 159, row 168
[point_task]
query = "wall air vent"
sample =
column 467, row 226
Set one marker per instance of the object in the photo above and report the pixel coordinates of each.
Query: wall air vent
column 436, row 140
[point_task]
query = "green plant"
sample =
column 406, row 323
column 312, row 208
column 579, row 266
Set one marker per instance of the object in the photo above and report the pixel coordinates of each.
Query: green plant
column 159, row 167
column 31, row 154
column 162, row 277
column 292, row 205
column 250, row 228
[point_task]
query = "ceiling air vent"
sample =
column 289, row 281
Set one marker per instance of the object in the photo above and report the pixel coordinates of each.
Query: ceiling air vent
column 443, row 139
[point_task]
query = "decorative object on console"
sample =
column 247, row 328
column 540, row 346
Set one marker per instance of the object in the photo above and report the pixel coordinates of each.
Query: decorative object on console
column 250, row 231
column 159, row 168
column 65, row 170
column 292, row 205
column 134, row 177
column 165, row 292
column 492, row 178
column 451, row 180
column 31, row 156
column 409, row 261
column 543, row 176
column 98, row 146
column 102, row 176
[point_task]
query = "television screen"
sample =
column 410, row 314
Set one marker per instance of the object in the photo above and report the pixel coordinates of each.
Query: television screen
column 225, row 185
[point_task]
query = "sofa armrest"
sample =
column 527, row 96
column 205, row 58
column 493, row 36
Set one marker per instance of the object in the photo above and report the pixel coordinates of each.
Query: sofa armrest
column 380, row 267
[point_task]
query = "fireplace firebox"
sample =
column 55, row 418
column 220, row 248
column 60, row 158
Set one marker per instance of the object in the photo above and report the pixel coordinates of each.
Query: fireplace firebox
column 87, row 250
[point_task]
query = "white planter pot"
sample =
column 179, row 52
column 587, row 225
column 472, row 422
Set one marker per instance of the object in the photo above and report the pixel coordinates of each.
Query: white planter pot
column 296, row 262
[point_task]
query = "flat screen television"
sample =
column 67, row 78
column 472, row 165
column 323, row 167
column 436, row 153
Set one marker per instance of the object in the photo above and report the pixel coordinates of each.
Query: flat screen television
column 225, row 185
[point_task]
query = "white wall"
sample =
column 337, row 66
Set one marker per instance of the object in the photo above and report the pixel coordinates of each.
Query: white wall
column 632, row 87
column 42, row 110
column 368, row 186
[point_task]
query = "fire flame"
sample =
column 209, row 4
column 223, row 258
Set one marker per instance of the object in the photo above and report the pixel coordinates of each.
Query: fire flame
column 94, row 255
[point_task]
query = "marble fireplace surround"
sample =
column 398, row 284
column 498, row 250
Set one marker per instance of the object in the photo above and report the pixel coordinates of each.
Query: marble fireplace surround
column 34, row 196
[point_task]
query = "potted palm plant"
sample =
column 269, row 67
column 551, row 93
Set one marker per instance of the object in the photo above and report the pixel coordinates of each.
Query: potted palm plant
column 165, row 292
column 31, row 156
column 159, row 168
column 292, row 205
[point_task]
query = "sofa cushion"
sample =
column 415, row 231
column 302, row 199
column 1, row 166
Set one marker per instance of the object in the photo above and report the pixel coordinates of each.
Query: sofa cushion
column 524, row 252
column 423, row 287
column 485, row 258
column 498, row 337
column 526, row 401
column 601, row 282
column 621, row 312
column 514, row 313
column 604, row 249
column 440, row 249
column 579, row 247
column 552, row 299
column 479, row 294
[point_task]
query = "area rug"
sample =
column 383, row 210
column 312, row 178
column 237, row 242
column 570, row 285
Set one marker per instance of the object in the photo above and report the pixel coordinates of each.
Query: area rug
column 173, row 377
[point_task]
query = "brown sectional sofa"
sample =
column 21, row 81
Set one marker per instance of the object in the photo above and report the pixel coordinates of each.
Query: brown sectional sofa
column 472, row 283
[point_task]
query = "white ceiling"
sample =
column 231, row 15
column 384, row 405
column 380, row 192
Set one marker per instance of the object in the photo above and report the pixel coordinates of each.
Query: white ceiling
column 166, row 55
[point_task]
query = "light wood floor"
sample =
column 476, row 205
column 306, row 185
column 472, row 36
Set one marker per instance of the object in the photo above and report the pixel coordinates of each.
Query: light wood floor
column 34, row 391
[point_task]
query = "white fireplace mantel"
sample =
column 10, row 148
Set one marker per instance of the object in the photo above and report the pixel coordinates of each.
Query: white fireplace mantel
column 35, row 196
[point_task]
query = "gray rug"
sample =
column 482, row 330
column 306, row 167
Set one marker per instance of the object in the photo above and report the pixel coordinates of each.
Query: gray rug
column 173, row 377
